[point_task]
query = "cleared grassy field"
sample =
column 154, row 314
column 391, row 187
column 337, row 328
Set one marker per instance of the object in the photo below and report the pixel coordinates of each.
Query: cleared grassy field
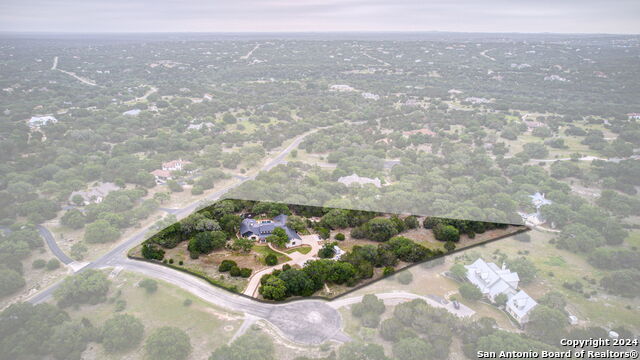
column 264, row 250
column 208, row 326
column 304, row 249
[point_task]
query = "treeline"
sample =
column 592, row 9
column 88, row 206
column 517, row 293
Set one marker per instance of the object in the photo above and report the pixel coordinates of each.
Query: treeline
column 30, row 331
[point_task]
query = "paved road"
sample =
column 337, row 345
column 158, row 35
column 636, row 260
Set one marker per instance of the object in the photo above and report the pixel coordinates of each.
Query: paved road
column 51, row 243
column 305, row 321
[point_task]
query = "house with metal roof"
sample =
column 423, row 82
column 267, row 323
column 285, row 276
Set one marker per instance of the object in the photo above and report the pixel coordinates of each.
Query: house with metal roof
column 259, row 230
column 519, row 306
column 493, row 281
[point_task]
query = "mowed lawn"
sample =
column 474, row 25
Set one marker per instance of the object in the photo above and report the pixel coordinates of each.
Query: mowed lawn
column 209, row 327
column 264, row 250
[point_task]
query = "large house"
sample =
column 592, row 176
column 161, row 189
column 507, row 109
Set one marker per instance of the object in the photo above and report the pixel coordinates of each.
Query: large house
column 493, row 281
column 174, row 165
column 259, row 230
column 355, row 179
column 95, row 194
column 164, row 174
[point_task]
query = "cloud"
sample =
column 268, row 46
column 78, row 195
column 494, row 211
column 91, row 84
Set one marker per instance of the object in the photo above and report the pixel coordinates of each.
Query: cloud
column 616, row 16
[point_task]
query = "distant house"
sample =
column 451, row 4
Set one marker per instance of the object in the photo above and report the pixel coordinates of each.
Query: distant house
column 477, row 100
column 520, row 305
column 259, row 230
column 161, row 175
column 95, row 194
column 38, row 121
column 634, row 116
column 538, row 200
column 370, row 96
column 175, row 165
column 341, row 88
column 531, row 124
column 168, row 167
column 355, row 179
column 132, row 112
column 493, row 281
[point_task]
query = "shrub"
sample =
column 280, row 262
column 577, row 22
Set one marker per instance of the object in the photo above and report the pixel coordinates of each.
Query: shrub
column 53, row 264
column 271, row 259
column 234, row 271
column 245, row 272
column 388, row 270
column 39, row 264
column 187, row 302
column 120, row 305
column 149, row 285
column 181, row 262
column 340, row 237
column 227, row 265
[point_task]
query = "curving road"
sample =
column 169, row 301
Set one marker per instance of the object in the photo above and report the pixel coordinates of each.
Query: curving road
column 53, row 246
column 304, row 321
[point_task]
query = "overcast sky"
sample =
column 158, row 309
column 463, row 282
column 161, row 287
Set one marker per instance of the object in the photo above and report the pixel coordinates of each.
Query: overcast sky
column 564, row 16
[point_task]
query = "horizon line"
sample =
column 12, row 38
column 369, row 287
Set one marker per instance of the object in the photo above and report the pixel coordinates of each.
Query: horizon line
column 333, row 32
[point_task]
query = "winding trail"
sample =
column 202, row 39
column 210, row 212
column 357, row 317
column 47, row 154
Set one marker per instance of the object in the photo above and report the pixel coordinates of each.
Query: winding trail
column 72, row 74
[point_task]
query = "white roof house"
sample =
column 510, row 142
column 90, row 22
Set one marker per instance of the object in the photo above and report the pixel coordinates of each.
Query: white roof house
column 492, row 280
column 519, row 306
column 538, row 200
column 132, row 112
column 37, row 121
column 355, row 179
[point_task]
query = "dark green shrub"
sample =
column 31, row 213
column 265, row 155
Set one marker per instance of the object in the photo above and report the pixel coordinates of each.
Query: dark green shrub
column 235, row 271
column 53, row 264
column 227, row 265
column 271, row 260
column 245, row 272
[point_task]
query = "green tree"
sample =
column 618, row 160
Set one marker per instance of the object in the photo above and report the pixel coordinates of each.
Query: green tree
column 10, row 281
column 100, row 231
column 278, row 237
column 53, row 264
column 296, row 223
column 168, row 343
column 525, row 268
column 412, row 349
column 501, row 299
column 149, row 285
column 87, row 287
column 271, row 259
column 121, row 332
column 446, row 233
column 73, row 219
column 411, row 222
column 546, row 324
column 470, row 292
column 174, row 186
column 381, row 229
column 459, row 271
column 246, row 347
column 273, row 288
column 242, row 244
column 361, row 351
